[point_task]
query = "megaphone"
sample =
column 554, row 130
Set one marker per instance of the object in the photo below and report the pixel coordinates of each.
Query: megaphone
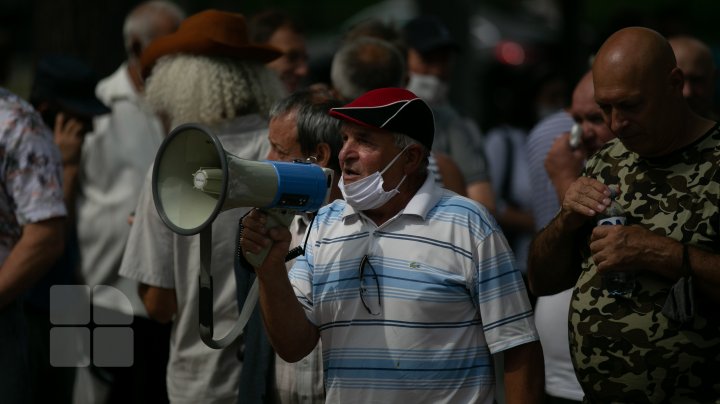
column 194, row 179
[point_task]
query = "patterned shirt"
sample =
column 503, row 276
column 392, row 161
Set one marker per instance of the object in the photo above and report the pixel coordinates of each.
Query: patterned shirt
column 441, row 294
column 30, row 171
column 625, row 349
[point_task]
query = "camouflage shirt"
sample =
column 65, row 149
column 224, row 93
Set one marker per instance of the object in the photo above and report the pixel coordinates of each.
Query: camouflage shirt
column 625, row 349
column 30, row 171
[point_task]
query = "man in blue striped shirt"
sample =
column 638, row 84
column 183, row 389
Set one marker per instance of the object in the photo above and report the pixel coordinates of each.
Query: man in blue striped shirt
column 411, row 287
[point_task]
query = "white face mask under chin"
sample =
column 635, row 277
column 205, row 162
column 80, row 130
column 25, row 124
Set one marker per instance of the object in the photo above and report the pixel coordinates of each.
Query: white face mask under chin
column 368, row 193
column 430, row 88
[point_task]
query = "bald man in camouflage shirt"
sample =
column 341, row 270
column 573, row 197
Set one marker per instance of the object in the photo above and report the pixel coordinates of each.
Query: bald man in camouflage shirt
column 665, row 161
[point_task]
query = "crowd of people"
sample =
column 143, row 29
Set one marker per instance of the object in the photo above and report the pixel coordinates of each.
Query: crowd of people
column 447, row 265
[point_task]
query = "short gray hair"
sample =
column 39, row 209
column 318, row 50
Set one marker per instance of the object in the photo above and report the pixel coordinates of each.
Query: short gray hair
column 365, row 64
column 314, row 123
column 402, row 141
column 140, row 22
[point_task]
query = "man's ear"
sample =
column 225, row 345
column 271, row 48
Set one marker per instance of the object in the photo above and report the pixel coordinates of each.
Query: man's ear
column 322, row 153
column 136, row 48
column 414, row 156
column 677, row 78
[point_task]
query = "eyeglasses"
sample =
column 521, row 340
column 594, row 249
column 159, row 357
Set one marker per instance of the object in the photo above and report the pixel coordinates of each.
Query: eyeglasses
column 364, row 294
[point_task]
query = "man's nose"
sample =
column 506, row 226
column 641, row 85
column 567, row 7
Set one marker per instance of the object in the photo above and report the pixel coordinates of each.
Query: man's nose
column 347, row 151
column 588, row 133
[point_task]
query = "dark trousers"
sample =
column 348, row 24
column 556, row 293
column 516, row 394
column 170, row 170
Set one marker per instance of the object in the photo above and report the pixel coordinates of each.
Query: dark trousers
column 49, row 384
column 14, row 363
column 144, row 381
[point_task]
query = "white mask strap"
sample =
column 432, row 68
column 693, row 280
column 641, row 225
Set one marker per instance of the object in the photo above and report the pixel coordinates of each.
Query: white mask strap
column 393, row 160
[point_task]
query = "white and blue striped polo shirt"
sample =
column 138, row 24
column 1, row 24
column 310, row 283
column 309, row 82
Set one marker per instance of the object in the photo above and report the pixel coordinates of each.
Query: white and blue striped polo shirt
column 450, row 295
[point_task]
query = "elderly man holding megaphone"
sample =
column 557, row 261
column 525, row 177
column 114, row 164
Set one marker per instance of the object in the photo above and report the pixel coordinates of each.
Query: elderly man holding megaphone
column 410, row 287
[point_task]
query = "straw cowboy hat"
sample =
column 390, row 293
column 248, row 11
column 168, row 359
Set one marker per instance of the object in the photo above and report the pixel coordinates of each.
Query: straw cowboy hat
column 208, row 33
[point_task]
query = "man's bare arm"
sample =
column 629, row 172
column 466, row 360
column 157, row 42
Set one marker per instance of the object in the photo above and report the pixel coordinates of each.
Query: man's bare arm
column 524, row 374
column 554, row 256
column 39, row 247
column 160, row 303
column 291, row 334
column 632, row 248
column 481, row 191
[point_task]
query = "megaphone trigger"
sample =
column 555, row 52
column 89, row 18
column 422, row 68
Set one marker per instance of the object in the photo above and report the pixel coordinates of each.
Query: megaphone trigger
column 275, row 217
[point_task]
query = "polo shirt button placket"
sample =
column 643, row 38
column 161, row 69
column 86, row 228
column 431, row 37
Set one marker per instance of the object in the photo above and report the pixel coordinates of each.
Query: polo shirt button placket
column 371, row 243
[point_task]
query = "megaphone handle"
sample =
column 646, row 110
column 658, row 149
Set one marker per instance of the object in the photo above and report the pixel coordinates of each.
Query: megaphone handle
column 206, row 299
column 275, row 217
column 205, row 296
column 206, row 334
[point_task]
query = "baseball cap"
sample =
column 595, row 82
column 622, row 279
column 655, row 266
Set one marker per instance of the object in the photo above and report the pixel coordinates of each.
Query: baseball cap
column 391, row 109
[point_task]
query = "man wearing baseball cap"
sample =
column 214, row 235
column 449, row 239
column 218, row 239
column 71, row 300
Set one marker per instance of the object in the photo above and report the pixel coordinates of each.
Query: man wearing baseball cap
column 410, row 286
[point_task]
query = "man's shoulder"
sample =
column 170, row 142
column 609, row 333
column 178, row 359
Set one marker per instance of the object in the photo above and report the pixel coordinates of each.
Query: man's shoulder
column 332, row 211
column 13, row 109
column 612, row 151
column 450, row 198
column 711, row 140
column 459, row 209
column 551, row 127
column 244, row 136
column 115, row 86
column 20, row 124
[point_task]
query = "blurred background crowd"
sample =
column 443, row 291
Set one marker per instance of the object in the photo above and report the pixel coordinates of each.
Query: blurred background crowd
column 537, row 37
column 507, row 67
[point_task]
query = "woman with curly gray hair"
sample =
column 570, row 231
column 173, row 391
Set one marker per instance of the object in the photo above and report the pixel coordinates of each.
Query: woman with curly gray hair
column 206, row 72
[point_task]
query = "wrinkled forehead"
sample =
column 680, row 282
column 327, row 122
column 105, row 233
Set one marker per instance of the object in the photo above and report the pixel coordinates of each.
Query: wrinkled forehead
column 355, row 130
column 617, row 80
column 583, row 106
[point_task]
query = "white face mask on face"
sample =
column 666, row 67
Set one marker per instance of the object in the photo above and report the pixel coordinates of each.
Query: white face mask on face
column 368, row 193
column 430, row 88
